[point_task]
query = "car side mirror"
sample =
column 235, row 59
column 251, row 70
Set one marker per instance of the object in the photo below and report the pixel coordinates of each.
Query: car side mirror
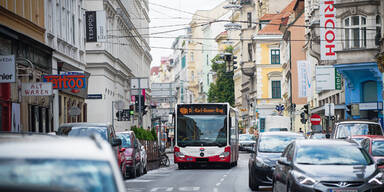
column 116, row 142
column 283, row 161
column 122, row 149
column 380, row 162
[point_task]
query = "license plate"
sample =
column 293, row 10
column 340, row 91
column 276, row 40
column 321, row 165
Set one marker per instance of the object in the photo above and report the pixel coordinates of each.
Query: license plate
column 343, row 190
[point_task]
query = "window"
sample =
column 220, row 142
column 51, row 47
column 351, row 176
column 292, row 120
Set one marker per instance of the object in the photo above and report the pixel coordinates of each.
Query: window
column 250, row 52
column 192, row 57
column 249, row 19
column 262, row 124
column 355, row 32
column 276, row 89
column 378, row 30
column 192, row 76
column 369, row 91
column 208, row 79
column 275, row 56
column 183, row 62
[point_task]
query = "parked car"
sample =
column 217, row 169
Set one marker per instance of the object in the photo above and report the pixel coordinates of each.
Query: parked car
column 374, row 145
column 52, row 163
column 317, row 136
column 144, row 158
column 130, row 148
column 278, row 129
column 358, row 138
column 267, row 151
column 105, row 131
column 347, row 129
column 246, row 142
column 310, row 165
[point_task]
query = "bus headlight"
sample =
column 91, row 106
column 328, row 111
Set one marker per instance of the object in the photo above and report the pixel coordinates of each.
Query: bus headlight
column 179, row 154
column 224, row 154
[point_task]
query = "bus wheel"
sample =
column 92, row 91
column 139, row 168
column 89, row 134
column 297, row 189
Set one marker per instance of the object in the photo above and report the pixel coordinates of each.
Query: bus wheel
column 181, row 166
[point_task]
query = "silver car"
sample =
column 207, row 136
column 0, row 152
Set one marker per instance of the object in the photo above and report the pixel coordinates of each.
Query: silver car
column 53, row 163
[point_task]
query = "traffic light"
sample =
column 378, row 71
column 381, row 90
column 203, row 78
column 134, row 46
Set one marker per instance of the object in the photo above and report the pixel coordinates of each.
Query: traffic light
column 306, row 109
column 137, row 102
column 144, row 110
column 349, row 110
column 303, row 119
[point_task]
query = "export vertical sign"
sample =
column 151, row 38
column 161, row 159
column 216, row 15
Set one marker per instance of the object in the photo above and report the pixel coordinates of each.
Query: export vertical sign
column 95, row 26
column 327, row 30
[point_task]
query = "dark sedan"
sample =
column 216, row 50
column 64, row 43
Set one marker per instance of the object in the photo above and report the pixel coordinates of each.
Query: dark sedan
column 267, row 151
column 326, row 166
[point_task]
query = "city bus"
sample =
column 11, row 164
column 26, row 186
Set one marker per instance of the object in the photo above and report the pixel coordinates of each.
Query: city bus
column 205, row 134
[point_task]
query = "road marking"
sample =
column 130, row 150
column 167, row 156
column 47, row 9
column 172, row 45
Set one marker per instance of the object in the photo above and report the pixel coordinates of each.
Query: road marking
column 218, row 184
column 222, row 179
column 138, row 181
column 225, row 175
column 162, row 189
column 189, row 188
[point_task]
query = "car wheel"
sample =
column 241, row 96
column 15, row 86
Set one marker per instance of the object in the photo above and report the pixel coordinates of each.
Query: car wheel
column 141, row 169
column 123, row 172
column 289, row 188
column 145, row 169
column 133, row 173
column 252, row 184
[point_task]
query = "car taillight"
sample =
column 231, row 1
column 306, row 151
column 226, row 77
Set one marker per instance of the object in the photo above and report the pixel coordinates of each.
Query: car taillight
column 176, row 149
column 227, row 149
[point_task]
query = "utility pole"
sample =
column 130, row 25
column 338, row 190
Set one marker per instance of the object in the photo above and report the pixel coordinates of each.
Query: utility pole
column 140, row 112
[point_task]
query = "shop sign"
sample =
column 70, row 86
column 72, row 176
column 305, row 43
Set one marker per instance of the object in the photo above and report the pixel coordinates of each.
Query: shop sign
column 370, row 106
column 74, row 111
column 36, row 89
column 327, row 78
column 66, row 81
column 7, row 69
column 327, row 30
column 95, row 26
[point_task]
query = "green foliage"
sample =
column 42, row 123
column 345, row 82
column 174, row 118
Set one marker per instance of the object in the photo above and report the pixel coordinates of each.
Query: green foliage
column 143, row 134
column 223, row 90
column 153, row 131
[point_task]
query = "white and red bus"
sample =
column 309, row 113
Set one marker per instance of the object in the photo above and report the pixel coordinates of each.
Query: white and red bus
column 206, row 133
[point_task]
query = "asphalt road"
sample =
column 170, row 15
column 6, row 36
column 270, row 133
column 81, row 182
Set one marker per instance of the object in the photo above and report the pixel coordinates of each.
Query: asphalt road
column 198, row 179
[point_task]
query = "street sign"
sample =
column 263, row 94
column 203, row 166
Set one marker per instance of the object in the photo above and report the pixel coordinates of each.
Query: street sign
column 94, row 96
column 329, row 109
column 315, row 119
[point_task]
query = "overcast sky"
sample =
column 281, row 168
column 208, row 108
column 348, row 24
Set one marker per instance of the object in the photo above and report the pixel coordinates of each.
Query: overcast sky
column 161, row 16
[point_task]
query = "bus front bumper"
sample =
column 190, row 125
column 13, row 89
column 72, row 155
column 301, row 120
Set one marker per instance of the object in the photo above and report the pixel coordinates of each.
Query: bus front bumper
column 211, row 159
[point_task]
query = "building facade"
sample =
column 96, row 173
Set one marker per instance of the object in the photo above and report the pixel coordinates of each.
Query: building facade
column 22, row 36
column 121, row 54
column 65, row 31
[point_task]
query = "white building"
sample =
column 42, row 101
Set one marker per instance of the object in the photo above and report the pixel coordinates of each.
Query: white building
column 64, row 25
column 114, row 61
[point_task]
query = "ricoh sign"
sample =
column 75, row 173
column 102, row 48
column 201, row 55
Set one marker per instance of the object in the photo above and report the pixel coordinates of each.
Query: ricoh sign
column 328, row 29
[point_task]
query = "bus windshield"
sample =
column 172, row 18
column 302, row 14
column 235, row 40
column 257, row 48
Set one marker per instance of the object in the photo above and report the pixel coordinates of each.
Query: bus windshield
column 202, row 130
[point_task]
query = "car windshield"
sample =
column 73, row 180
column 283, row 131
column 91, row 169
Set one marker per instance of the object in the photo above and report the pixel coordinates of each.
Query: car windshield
column 339, row 155
column 247, row 137
column 278, row 129
column 318, row 136
column 125, row 140
column 88, row 131
column 74, row 175
column 276, row 143
column 346, row 130
column 206, row 130
column 378, row 148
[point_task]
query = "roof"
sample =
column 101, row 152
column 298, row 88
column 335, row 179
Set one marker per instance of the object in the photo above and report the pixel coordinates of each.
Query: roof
column 282, row 133
column 48, row 147
column 273, row 27
column 327, row 142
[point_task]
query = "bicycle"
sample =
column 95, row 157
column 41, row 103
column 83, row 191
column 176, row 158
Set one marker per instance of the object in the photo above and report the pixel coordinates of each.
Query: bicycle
column 164, row 160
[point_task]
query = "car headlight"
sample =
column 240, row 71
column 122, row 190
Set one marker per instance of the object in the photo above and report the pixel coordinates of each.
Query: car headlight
column 129, row 158
column 377, row 180
column 224, row 154
column 261, row 163
column 303, row 179
column 179, row 154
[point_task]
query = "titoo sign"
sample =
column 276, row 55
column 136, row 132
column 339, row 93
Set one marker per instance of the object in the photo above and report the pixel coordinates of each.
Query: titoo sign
column 36, row 89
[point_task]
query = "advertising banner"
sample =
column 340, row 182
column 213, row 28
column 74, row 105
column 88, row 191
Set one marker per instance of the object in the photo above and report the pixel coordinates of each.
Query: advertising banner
column 327, row 78
column 303, row 78
column 36, row 89
column 7, row 69
column 327, row 30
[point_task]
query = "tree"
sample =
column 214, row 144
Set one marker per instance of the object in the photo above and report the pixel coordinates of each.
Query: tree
column 222, row 90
